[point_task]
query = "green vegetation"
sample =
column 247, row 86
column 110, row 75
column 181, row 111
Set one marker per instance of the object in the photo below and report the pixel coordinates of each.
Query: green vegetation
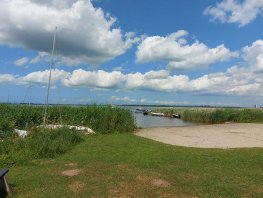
column 215, row 116
column 41, row 143
column 101, row 119
column 121, row 164
column 6, row 128
column 124, row 165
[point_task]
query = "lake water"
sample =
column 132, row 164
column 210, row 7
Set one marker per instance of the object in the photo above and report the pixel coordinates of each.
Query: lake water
column 156, row 121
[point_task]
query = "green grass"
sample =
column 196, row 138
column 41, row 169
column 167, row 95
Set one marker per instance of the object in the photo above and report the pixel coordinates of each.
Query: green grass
column 216, row 115
column 102, row 119
column 123, row 165
column 40, row 143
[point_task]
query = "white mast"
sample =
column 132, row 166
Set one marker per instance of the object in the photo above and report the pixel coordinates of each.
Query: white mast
column 50, row 72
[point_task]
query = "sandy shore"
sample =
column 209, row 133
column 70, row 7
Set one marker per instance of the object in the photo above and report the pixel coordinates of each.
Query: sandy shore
column 208, row 136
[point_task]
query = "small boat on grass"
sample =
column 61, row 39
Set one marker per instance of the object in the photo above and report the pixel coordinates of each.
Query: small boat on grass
column 157, row 114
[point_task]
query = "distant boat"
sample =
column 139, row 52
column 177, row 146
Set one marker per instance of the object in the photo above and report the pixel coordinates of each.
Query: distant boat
column 176, row 116
column 157, row 114
column 146, row 112
column 140, row 109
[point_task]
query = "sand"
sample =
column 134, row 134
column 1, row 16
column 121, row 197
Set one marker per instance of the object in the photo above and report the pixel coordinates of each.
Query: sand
column 208, row 136
column 71, row 173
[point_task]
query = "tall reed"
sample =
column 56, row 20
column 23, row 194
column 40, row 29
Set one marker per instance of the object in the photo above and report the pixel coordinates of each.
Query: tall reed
column 216, row 115
column 102, row 119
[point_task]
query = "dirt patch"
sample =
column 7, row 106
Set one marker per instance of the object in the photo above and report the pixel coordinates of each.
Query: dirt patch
column 71, row 173
column 160, row 183
column 71, row 164
column 117, row 194
column 43, row 162
column 76, row 186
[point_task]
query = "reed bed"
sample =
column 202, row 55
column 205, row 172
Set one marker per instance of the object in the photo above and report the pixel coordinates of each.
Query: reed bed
column 45, row 143
column 102, row 119
column 216, row 115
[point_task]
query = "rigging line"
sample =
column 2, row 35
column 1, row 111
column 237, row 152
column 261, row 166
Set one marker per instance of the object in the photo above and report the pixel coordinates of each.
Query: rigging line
column 59, row 95
column 27, row 92
column 49, row 80
column 60, row 104
column 8, row 96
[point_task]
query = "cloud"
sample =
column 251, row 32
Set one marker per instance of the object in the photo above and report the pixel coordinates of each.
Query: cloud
column 244, row 79
column 180, row 55
column 139, row 81
column 21, row 61
column 41, row 77
column 127, row 99
column 95, row 79
column 41, row 56
column 233, row 11
column 6, row 78
column 254, row 55
column 85, row 34
column 117, row 69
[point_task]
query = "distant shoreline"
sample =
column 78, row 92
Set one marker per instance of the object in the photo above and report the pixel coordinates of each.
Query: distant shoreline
column 134, row 105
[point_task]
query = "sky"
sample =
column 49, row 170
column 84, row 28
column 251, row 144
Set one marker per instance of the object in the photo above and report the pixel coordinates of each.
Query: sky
column 207, row 52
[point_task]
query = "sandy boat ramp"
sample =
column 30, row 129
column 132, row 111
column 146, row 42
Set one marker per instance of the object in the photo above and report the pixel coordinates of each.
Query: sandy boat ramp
column 208, row 136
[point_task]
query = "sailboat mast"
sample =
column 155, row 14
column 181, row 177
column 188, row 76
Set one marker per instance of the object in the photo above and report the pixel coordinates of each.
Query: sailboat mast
column 50, row 74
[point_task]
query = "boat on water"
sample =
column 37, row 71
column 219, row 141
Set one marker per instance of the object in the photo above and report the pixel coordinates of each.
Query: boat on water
column 176, row 116
column 141, row 110
column 146, row 112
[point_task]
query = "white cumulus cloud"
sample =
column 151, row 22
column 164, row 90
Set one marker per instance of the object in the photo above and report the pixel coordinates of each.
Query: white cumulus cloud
column 254, row 54
column 178, row 54
column 166, row 83
column 243, row 79
column 95, row 79
column 41, row 77
column 233, row 11
column 85, row 34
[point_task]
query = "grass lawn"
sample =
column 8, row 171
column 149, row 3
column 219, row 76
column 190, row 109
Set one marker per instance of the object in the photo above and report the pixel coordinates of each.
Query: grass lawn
column 124, row 165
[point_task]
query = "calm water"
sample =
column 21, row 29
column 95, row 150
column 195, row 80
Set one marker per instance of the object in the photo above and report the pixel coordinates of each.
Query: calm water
column 155, row 121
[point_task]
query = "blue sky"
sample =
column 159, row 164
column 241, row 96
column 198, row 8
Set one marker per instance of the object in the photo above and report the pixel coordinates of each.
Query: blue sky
column 133, row 51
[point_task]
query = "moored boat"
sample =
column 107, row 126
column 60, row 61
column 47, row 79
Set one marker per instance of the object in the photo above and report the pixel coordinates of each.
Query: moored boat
column 176, row 116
